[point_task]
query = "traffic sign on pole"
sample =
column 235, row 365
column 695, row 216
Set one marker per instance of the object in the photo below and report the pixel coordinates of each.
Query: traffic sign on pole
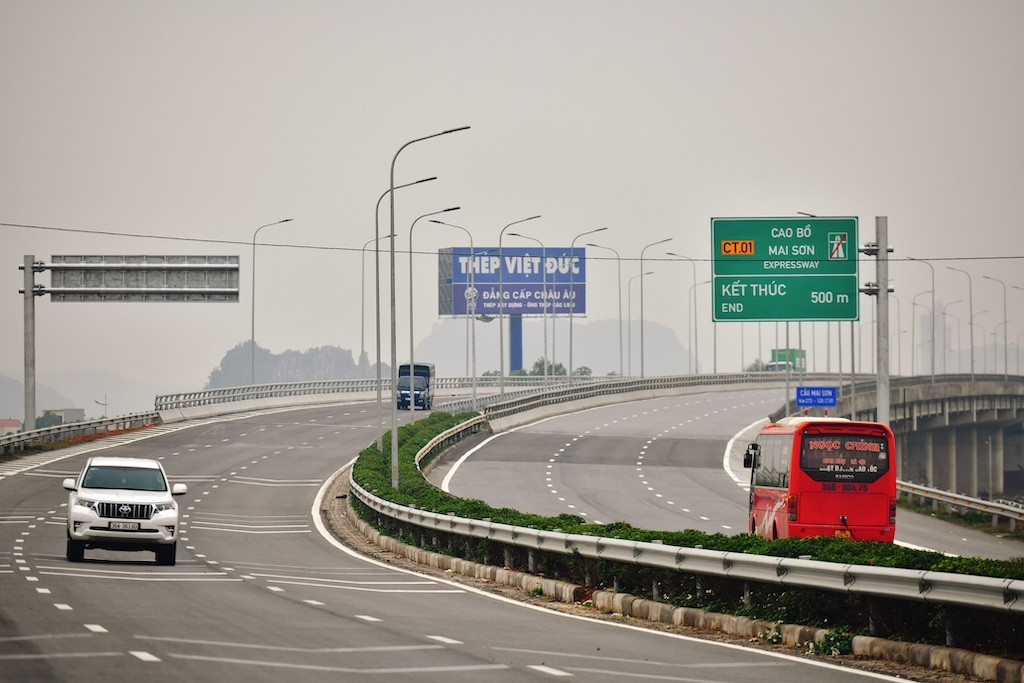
column 816, row 397
column 784, row 269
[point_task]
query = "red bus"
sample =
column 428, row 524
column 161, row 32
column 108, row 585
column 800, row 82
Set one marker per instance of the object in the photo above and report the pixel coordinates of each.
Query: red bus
column 823, row 476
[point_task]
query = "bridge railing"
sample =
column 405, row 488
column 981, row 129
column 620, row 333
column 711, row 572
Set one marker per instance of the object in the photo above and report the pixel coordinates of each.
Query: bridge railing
column 17, row 442
column 1013, row 512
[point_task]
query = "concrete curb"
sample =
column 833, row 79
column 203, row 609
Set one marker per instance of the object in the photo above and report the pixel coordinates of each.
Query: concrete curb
column 951, row 660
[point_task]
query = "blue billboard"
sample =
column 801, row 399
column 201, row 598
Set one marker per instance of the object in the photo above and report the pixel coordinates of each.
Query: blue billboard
column 512, row 281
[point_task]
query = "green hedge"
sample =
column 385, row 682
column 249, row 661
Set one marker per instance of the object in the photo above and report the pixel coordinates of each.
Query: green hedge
column 843, row 614
column 372, row 471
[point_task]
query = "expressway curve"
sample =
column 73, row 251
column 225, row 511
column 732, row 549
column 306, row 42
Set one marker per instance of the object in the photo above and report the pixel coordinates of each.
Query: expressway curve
column 658, row 463
column 259, row 593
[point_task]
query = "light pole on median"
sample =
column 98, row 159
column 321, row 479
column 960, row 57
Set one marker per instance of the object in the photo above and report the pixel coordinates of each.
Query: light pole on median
column 471, row 299
column 376, row 280
column 629, row 315
column 572, row 288
column 501, row 304
column 412, row 340
column 667, row 239
column 544, row 281
column 618, row 264
column 1006, row 330
column 252, row 316
column 362, row 303
column 692, row 313
column 693, row 294
column 394, row 338
column 970, row 311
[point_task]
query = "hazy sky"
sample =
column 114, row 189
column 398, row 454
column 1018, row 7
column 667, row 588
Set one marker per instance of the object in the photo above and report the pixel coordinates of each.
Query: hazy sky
column 206, row 120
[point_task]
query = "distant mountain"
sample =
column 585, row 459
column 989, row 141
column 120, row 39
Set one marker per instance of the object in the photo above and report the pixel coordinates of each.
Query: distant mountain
column 321, row 363
column 595, row 345
column 12, row 398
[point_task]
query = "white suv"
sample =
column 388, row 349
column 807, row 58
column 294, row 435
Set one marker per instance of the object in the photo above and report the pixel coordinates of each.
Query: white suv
column 123, row 504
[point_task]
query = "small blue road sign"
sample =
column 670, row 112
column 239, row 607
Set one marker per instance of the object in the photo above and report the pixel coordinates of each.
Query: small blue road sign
column 816, row 397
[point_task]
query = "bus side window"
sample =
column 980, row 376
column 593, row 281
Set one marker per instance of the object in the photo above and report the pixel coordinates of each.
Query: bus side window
column 750, row 456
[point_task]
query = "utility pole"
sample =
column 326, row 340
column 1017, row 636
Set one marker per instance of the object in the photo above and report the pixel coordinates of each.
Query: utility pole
column 880, row 249
column 31, row 268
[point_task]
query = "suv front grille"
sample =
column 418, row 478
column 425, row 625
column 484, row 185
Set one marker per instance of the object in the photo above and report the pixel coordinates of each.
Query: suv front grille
column 125, row 510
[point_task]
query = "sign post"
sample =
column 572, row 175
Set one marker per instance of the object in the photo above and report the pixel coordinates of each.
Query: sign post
column 784, row 269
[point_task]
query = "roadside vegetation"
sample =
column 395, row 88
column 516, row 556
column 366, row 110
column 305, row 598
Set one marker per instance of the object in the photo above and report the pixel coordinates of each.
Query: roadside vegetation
column 847, row 614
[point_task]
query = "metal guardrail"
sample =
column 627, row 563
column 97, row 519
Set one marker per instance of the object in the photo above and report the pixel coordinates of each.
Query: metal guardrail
column 65, row 432
column 192, row 399
column 925, row 586
column 1012, row 512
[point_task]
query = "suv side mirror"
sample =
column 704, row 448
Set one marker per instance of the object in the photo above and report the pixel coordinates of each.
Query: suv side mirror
column 69, row 484
column 178, row 489
column 750, row 457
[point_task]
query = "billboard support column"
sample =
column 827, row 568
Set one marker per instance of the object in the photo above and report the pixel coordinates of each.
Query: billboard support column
column 515, row 342
column 30, row 343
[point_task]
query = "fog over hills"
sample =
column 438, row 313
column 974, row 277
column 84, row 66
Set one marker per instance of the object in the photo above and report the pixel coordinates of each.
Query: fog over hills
column 595, row 345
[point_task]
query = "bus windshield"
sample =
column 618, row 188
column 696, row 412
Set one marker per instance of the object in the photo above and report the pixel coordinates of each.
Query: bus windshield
column 844, row 457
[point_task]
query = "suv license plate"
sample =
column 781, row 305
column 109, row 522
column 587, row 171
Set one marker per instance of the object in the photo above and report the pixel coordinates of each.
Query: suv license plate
column 124, row 526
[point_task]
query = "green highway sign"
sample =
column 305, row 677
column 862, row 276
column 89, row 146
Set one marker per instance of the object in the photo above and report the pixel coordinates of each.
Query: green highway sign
column 784, row 269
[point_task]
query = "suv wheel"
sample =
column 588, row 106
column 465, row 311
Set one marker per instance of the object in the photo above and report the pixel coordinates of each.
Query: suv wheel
column 75, row 551
column 165, row 554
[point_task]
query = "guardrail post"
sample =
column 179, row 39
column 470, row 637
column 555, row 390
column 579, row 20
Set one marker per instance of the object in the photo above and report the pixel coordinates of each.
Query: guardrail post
column 531, row 561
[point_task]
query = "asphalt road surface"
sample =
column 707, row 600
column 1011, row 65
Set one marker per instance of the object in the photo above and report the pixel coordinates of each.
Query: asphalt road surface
column 659, row 464
column 260, row 593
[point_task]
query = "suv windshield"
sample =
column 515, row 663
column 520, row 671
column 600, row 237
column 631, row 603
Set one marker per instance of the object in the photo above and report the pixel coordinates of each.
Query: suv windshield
column 131, row 478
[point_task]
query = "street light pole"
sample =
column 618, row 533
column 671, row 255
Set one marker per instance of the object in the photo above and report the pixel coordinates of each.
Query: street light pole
column 501, row 304
column 544, row 281
column 932, row 269
column 618, row 263
column 667, row 239
column 913, row 331
column 1006, row 330
column 629, row 314
column 376, row 281
column 362, row 302
column 959, row 346
column 692, row 295
column 692, row 313
column 412, row 339
column 394, row 338
column 471, row 299
column 970, row 311
column 252, row 316
column 572, row 288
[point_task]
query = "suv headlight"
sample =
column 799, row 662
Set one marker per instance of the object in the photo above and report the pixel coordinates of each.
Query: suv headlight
column 86, row 503
column 161, row 507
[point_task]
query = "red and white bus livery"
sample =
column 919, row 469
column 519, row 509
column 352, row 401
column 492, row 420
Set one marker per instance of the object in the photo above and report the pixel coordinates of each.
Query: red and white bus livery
column 822, row 476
